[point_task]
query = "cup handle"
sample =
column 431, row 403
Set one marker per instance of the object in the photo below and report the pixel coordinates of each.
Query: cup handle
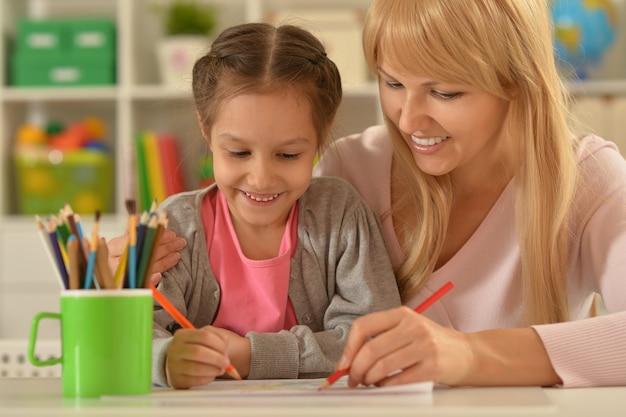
column 33, row 339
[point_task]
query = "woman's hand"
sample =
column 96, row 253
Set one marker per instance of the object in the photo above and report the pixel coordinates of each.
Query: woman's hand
column 400, row 346
column 195, row 357
column 166, row 255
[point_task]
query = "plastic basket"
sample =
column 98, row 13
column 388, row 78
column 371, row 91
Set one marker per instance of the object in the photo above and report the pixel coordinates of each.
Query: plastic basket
column 48, row 179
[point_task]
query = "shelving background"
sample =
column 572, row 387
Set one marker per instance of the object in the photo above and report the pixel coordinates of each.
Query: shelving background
column 138, row 101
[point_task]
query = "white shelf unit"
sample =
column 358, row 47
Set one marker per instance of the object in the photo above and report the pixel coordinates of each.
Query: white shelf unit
column 136, row 102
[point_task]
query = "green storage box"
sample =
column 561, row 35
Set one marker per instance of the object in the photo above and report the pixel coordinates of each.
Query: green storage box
column 78, row 52
column 92, row 36
column 62, row 70
column 48, row 179
column 42, row 36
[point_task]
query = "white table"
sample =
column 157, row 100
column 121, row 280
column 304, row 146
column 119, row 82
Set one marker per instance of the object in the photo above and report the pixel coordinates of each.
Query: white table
column 42, row 397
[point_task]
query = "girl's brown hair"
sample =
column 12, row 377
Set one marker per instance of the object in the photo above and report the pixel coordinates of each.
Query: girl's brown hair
column 260, row 58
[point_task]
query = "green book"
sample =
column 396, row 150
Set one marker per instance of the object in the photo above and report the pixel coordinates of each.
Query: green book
column 142, row 174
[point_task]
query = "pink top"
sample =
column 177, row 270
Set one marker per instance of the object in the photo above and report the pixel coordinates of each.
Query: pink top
column 248, row 286
column 486, row 270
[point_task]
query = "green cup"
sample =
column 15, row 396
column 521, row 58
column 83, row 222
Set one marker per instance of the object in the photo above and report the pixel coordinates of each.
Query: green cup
column 106, row 342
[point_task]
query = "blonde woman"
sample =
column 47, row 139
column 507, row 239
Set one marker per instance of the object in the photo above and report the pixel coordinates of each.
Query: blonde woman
column 479, row 180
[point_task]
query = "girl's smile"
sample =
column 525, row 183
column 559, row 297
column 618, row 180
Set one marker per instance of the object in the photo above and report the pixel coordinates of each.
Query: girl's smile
column 263, row 150
column 262, row 200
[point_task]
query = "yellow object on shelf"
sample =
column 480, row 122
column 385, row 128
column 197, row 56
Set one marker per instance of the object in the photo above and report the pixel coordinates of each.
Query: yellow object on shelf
column 48, row 179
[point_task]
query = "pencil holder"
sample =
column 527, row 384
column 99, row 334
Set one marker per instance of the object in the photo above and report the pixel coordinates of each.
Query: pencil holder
column 106, row 342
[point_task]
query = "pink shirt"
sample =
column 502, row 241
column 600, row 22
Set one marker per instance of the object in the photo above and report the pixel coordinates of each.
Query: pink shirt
column 254, row 293
column 486, row 270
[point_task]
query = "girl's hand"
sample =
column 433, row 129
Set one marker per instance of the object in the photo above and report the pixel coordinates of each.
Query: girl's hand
column 239, row 351
column 400, row 346
column 195, row 357
column 166, row 255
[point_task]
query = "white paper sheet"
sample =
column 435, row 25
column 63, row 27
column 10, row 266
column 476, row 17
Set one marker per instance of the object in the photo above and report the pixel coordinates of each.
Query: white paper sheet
column 291, row 387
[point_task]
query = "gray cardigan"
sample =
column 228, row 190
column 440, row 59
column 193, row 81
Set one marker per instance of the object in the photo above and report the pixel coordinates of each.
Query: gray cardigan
column 340, row 271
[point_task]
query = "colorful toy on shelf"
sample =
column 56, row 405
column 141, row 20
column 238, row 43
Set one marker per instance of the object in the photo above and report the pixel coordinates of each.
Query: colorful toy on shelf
column 28, row 134
column 95, row 127
column 59, row 164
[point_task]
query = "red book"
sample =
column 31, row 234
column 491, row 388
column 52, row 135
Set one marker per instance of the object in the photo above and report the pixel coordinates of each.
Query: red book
column 170, row 162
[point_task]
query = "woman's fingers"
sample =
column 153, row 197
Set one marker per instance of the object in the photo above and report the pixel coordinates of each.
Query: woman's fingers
column 116, row 247
column 388, row 335
column 363, row 329
column 400, row 346
column 166, row 254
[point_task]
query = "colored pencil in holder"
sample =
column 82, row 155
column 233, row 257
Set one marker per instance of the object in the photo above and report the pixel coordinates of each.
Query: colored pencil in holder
column 93, row 248
column 147, row 247
column 131, row 207
column 50, row 252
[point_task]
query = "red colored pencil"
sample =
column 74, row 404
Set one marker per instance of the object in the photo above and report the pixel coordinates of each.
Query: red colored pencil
column 434, row 297
column 182, row 320
column 419, row 309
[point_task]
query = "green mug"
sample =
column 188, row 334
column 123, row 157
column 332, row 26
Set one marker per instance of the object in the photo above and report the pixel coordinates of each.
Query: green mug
column 106, row 342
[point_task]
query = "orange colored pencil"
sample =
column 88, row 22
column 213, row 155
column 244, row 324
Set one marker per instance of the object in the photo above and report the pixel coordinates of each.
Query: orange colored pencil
column 419, row 309
column 182, row 320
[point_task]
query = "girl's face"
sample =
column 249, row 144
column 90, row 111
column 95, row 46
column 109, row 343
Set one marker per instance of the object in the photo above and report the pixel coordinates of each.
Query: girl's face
column 450, row 128
column 263, row 150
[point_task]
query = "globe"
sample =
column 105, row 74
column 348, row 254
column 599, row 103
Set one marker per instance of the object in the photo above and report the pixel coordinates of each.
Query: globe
column 583, row 32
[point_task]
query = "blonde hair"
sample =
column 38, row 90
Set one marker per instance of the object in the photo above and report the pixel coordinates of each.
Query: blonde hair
column 503, row 47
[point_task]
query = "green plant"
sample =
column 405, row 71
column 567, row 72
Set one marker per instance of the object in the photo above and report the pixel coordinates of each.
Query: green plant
column 188, row 17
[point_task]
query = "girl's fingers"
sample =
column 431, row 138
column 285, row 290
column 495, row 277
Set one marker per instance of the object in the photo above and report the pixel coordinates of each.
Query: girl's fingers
column 185, row 374
column 196, row 357
column 205, row 337
column 210, row 364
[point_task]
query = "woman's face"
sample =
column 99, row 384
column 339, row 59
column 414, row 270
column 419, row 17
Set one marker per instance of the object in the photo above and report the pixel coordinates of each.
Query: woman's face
column 450, row 128
column 263, row 150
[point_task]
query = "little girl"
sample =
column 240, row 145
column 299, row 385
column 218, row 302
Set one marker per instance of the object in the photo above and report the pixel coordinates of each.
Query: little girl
column 277, row 265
